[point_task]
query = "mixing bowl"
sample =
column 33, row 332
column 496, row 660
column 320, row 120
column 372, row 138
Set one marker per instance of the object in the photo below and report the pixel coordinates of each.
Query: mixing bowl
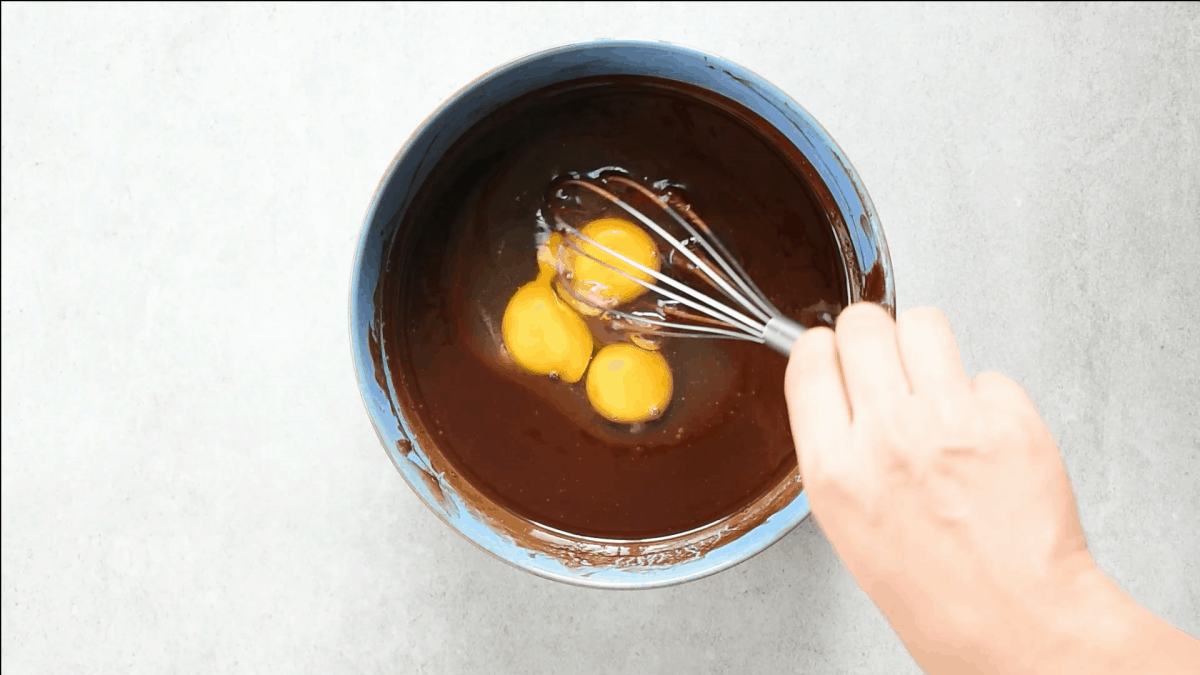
column 376, row 345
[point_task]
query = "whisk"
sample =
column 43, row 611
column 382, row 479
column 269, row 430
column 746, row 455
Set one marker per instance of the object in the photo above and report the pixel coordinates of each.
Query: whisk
column 733, row 309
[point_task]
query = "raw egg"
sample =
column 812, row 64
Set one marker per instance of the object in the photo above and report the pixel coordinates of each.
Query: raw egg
column 628, row 384
column 589, row 270
column 542, row 334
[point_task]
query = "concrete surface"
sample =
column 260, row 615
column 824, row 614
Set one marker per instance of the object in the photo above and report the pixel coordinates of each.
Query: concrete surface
column 190, row 483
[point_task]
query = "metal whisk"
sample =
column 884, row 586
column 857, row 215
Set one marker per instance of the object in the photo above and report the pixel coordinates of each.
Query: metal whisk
column 736, row 309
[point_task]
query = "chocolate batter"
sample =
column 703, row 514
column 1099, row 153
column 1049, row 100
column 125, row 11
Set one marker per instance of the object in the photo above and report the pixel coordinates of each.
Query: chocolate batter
column 533, row 444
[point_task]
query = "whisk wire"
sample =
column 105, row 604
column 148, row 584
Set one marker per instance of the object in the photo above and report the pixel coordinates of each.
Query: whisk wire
column 690, row 329
column 721, row 256
column 727, row 313
column 724, row 286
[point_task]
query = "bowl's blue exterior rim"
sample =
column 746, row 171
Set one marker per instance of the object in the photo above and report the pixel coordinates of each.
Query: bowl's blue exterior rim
column 390, row 425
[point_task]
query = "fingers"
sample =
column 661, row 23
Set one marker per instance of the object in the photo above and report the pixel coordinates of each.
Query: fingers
column 870, row 358
column 816, row 399
column 999, row 389
column 930, row 354
column 1014, row 416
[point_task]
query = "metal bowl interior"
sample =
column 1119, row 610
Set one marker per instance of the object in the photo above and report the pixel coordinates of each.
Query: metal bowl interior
column 552, row 554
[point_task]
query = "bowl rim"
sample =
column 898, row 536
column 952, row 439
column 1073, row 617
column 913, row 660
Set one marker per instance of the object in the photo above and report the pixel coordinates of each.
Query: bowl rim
column 457, row 516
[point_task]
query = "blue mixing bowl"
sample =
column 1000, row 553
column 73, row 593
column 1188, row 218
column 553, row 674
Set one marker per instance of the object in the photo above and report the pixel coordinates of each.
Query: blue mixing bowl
column 548, row 553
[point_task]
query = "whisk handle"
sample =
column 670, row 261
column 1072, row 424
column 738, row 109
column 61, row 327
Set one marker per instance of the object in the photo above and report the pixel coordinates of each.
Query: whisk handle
column 780, row 333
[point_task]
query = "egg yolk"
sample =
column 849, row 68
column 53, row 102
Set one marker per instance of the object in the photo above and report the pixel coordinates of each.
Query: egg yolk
column 593, row 279
column 628, row 384
column 574, row 302
column 548, row 253
column 542, row 334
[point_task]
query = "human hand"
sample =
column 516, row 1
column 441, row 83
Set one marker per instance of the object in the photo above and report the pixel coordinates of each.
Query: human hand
column 947, row 500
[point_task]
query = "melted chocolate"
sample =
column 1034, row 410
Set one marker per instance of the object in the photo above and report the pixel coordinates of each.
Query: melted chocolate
column 533, row 444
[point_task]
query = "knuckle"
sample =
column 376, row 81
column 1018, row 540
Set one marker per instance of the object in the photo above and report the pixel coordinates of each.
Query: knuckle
column 861, row 324
column 929, row 433
column 827, row 471
column 1002, row 392
column 992, row 382
column 1002, row 429
column 924, row 317
column 813, row 343
column 954, row 415
column 829, row 481
column 813, row 347
column 813, row 455
column 912, row 420
column 921, row 323
column 862, row 314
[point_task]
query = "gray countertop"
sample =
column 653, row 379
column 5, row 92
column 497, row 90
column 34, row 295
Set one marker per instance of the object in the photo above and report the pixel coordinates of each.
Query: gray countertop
column 191, row 484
